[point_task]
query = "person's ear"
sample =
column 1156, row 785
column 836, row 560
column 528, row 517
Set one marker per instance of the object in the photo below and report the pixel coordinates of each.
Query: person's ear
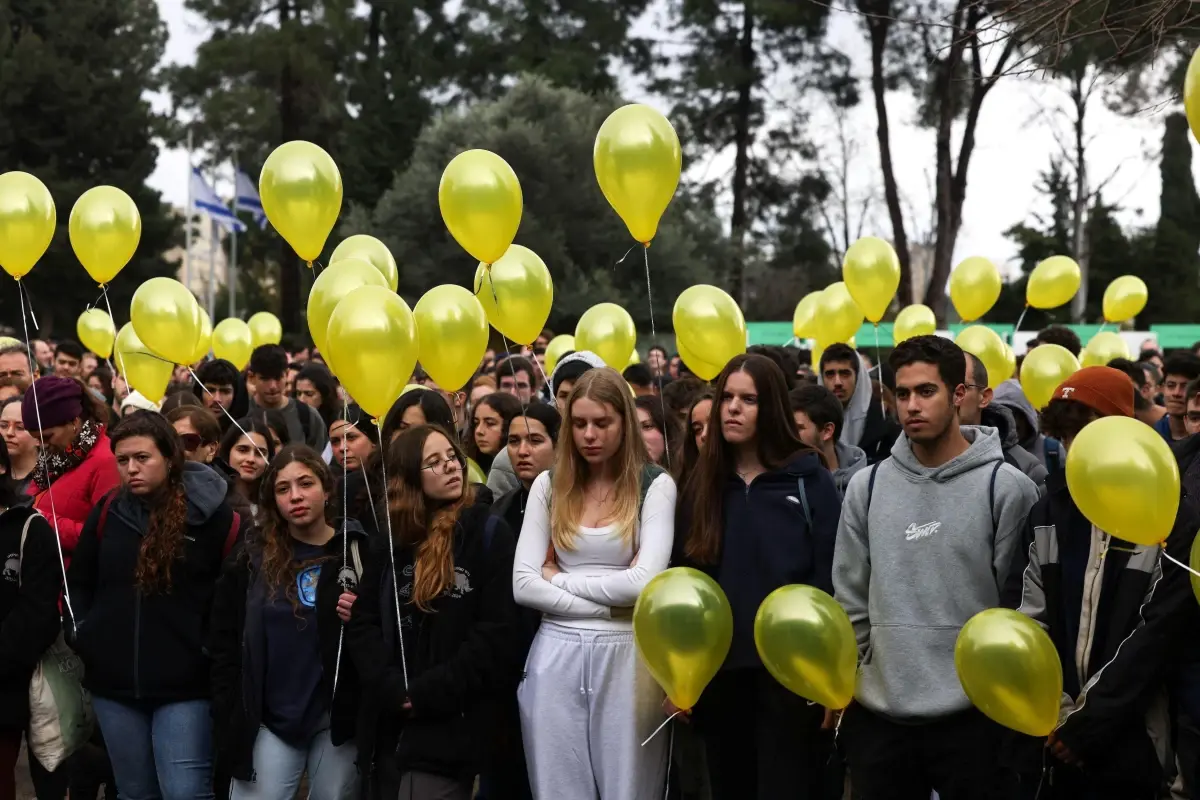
column 827, row 432
column 960, row 392
column 986, row 394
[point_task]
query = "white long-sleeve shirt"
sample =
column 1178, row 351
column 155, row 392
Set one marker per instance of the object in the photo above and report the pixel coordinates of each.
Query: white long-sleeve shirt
column 596, row 575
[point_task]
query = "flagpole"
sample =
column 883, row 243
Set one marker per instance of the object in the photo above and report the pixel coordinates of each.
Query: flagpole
column 231, row 276
column 213, row 246
column 187, row 220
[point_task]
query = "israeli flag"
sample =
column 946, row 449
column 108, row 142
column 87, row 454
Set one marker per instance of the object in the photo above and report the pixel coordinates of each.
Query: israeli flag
column 247, row 199
column 206, row 199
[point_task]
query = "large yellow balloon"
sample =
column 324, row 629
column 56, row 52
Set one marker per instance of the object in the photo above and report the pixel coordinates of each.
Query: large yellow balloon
column 231, row 341
column 27, row 220
column 1010, row 362
column 974, row 287
column 838, row 316
column 1125, row 298
column 453, row 333
column 638, row 161
column 96, row 331
column 105, row 229
column 806, row 641
column 1010, row 670
column 335, row 282
column 163, row 313
column 1194, row 563
column 371, row 250
column 1053, row 282
column 265, row 328
column 607, row 330
column 914, row 320
column 1191, row 94
column 1103, row 348
column 301, row 191
column 481, row 202
column 871, row 270
column 1124, row 479
column 204, row 340
column 142, row 369
column 986, row 345
column 1043, row 370
column 708, row 321
column 701, row 368
column 804, row 318
column 373, row 341
column 682, row 626
column 475, row 473
column 556, row 348
column 516, row 293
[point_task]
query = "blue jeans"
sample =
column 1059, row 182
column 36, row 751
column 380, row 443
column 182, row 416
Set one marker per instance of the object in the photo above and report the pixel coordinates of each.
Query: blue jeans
column 159, row 752
column 278, row 767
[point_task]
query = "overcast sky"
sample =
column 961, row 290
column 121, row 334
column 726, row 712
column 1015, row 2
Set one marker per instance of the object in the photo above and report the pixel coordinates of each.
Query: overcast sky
column 1015, row 140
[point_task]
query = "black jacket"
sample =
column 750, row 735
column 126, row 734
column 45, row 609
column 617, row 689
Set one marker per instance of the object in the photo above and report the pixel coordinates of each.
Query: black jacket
column 149, row 647
column 237, row 645
column 29, row 623
column 1135, row 621
column 879, row 433
column 462, row 664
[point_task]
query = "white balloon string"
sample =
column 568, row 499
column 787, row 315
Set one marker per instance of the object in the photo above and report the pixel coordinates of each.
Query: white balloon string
column 225, row 411
column 387, row 513
column 115, row 354
column 1012, row 337
column 878, row 355
column 660, row 727
column 670, row 757
column 1176, row 561
column 654, row 341
column 26, row 316
column 337, row 664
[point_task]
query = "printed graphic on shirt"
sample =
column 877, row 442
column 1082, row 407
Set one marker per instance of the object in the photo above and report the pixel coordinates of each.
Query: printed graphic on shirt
column 348, row 578
column 915, row 531
column 306, row 585
column 12, row 567
column 461, row 585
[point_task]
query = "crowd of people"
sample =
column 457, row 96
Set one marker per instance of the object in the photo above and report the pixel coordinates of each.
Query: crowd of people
column 273, row 594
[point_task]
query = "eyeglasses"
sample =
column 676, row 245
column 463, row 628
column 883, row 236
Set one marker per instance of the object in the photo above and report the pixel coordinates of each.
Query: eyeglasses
column 975, row 386
column 440, row 467
column 191, row 441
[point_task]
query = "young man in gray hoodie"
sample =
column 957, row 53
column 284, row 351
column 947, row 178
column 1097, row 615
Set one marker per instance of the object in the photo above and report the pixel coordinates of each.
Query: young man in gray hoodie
column 924, row 543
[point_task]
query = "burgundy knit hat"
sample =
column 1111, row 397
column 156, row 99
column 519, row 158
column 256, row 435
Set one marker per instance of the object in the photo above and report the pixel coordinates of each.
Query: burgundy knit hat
column 1107, row 391
column 59, row 400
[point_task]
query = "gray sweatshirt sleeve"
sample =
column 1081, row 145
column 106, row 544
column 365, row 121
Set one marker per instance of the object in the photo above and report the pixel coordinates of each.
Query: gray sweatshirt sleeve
column 852, row 558
column 1015, row 496
column 501, row 479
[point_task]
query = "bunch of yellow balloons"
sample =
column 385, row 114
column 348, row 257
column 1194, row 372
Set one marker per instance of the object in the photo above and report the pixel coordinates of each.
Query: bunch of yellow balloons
column 516, row 293
column 301, row 191
column 708, row 321
column 638, row 161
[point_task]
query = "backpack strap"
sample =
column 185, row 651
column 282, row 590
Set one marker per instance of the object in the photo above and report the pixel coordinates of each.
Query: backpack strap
column 871, row 484
column 231, row 537
column 105, row 505
column 803, row 495
column 1053, row 452
column 21, row 549
column 992, row 493
column 489, row 531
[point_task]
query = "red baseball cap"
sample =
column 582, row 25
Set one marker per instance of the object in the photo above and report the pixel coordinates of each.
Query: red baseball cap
column 1107, row 391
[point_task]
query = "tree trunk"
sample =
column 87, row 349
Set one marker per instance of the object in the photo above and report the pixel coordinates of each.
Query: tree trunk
column 741, row 156
column 289, row 263
column 1079, row 249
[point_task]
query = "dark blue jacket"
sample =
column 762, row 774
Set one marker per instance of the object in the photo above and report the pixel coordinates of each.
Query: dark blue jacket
column 778, row 530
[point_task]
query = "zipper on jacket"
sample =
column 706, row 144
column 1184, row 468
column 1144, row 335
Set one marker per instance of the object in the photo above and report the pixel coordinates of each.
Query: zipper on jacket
column 1092, row 607
column 137, row 642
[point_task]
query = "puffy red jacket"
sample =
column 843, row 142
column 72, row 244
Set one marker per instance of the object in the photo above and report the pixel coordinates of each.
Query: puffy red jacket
column 77, row 492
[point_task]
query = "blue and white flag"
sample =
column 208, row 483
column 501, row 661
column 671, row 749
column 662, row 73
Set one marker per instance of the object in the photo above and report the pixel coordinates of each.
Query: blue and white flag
column 247, row 198
column 206, row 199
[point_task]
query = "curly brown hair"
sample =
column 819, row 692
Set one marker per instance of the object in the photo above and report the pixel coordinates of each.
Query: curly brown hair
column 273, row 541
column 163, row 542
column 426, row 527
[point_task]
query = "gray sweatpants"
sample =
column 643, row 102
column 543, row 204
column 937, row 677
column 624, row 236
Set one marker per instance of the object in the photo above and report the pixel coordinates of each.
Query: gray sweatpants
column 587, row 703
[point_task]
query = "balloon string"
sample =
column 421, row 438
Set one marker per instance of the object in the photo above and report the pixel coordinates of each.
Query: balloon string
column 392, row 558
column 660, row 727
column 670, row 757
column 653, row 341
column 337, row 664
column 878, row 355
column 1012, row 336
column 503, row 338
column 1176, row 561
column 1101, row 328
column 26, row 316
column 116, row 355
column 225, row 411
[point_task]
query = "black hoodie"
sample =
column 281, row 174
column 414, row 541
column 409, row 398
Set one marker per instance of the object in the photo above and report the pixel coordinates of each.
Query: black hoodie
column 149, row 647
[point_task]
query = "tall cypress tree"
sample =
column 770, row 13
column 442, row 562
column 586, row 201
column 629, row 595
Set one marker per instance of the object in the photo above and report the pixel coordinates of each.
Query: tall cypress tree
column 1173, row 274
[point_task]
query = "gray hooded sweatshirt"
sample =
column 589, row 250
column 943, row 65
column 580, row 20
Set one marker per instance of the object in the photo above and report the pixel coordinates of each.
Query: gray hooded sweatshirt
column 854, row 420
column 1010, row 395
column 917, row 559
column 999, row 417
column 850, row 460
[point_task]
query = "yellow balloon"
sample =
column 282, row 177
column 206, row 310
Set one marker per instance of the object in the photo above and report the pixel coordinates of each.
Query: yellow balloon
column 708, row 321
column 142, row 369
column 335, row 282
column 1125, row 298
column 453, row 332
column 838, row 316
column 1194, row 563
column 806, row 642
column 516, row 293
column 27, row 220
column 373, row 340
column 204, row 340
column 301, row 191
column 1043, row 370
column 559, row 345
column 974, row 287
column 1053, row 282
column 607, row 330
column 702, row 369
column 1010, row 670
column 986, row 345
column 105, row 229
column 1191, row 93
column 634, row 358
column 871, row 270
column 1103, row 348
column 804, row 318
column 1010, row 362
column 371, row 250
column 481, row 202
column 682, row 626
column 163, row 313
column 638, row 159
column 914, row 320
column 231, row 341
column 1124, row 478
column 265, row 328
column 96, row 331
column 8, row 341
column 475, row 473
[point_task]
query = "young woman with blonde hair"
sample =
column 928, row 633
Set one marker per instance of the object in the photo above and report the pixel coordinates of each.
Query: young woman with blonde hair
column 597, row 527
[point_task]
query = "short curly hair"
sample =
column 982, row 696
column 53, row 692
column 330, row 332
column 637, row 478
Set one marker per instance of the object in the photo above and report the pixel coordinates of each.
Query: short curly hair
column 1062, row 336
column 1064, row 419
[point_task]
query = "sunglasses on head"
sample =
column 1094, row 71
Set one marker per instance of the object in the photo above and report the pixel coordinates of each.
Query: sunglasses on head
column 191, row 441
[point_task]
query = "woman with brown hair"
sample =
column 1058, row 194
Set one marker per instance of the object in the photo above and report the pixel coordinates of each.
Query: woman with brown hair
column 598, row 526
column 285, row 696
column 141, row 584
column 440, row 576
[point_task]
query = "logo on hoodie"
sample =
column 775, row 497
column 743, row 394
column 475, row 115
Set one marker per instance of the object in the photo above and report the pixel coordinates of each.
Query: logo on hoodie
column 915, row 531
